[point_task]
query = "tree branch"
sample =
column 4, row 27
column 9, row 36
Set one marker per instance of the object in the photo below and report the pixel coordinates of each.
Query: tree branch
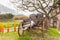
column 56, row 14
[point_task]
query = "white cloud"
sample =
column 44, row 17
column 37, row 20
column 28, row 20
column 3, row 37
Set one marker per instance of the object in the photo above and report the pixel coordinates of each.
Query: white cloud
column 7, row 4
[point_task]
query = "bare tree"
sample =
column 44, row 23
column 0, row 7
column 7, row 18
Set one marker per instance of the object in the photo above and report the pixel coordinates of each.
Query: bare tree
column 40, row 6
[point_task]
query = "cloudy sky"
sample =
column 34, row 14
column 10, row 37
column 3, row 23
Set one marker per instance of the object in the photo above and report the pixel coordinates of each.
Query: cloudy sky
column 8, row 4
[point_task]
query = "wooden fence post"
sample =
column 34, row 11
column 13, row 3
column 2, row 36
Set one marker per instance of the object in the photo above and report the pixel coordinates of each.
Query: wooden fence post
column 8, row 26
column 14, row 26
column 2, row 30
column 1, row 27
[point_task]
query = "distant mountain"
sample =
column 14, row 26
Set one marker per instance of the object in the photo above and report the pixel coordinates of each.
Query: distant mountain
column 6, row 9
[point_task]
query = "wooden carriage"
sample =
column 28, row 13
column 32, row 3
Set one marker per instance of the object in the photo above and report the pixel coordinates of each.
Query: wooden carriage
column 39, row 23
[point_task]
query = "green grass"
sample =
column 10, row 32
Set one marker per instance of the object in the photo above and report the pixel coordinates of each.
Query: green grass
column 14, row 36
column 32, row 35
column 9, row 36
column 54, row 32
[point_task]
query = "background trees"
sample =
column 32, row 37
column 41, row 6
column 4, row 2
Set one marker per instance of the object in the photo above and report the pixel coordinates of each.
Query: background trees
column 6, row 16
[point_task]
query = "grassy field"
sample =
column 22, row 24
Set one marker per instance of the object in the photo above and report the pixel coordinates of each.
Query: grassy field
column 32, row 35
column 14, row 36
column 9, row 36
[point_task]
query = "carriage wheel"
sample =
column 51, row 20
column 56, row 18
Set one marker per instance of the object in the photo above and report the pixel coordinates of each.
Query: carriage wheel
column 20, row 30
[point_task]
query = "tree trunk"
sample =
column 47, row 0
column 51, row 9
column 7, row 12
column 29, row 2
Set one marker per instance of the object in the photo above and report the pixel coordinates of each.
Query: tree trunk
column 45, row 26
column 43, row 29
column 48, row 23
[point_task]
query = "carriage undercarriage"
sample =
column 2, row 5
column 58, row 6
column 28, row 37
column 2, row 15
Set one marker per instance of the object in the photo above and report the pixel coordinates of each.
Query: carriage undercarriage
column 41, row 25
